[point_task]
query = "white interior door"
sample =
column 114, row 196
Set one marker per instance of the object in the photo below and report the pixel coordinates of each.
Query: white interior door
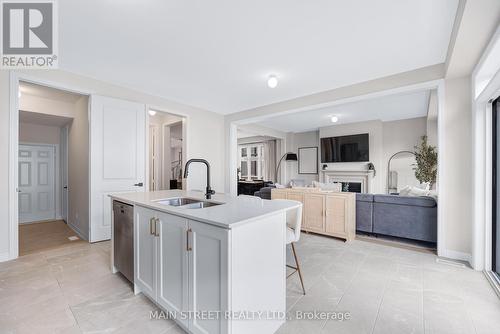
column 117, row 157
column 36, row 183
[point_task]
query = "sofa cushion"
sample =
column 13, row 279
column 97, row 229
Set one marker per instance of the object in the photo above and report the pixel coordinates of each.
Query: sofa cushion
column 364, row 197
column 422, row 201
column 405, row 221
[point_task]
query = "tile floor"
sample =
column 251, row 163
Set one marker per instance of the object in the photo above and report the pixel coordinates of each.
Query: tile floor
column 384, row 289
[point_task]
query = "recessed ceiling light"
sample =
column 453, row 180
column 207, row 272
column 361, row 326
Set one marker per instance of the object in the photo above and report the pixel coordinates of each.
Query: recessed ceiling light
column 334, row 119
column 272, row 81
column 152, row 112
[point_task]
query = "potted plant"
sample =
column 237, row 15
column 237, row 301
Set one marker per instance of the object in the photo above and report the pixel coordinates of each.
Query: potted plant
column 426, row 166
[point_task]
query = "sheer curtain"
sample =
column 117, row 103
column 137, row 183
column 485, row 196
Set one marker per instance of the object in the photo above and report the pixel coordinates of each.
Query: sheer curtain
column 269, row 160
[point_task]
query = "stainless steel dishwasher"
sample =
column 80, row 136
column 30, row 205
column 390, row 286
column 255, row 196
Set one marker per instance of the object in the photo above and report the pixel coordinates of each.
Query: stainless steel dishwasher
column 123, row 236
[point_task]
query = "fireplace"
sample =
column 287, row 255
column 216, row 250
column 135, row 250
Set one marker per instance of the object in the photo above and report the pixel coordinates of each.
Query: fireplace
column 357, row 181
column 353, row 187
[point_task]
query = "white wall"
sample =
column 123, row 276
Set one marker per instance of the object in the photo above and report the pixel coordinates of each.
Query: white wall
column 45, row 105
column 294, row 142
column 386, row 138
column 78, row 168
column 402, row 135
column 432, row 132
column 432, row 119
column 457, row 179
column 37, row 133
column 375, row 132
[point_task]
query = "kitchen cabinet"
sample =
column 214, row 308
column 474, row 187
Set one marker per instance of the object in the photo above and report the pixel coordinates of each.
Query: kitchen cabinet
column 208, row 250
column 182, row 266
column 145, row 251
column 215, row 268
column 172, row 264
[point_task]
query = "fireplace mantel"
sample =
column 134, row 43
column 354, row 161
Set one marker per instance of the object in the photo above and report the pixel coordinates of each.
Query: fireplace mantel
column 365, row 177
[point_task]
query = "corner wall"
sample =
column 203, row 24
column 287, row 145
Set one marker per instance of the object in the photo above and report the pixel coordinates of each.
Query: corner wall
column 457, row 179
column 78, row 168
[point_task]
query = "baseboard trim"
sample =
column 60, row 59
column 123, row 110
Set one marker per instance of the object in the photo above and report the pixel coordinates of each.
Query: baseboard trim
column 5, row 257
column 77, row 231
column 455, row 255
column 40, row 221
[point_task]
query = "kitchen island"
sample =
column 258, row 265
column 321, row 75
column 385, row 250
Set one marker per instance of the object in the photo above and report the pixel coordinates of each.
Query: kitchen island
column 214, row 266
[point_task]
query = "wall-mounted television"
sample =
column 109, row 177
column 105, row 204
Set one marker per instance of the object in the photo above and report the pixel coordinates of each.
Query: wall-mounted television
column 353, row 148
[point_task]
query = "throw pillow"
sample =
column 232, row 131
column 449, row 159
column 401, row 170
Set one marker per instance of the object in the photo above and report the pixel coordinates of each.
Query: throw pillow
column 405, row 191
column 414, row 191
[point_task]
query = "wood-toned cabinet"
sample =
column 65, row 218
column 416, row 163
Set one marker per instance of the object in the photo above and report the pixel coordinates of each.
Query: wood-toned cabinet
column 336, row 210
column 314, row 213
column 329, row 213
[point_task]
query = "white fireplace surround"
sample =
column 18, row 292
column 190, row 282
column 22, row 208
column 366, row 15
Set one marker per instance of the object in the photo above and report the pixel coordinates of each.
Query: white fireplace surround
column 365, row 177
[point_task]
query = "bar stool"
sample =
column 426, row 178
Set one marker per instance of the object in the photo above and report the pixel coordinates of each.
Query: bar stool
column 294, row 222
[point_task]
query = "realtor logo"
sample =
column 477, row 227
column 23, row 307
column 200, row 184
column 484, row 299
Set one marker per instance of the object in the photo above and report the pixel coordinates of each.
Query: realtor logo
column 29, row 34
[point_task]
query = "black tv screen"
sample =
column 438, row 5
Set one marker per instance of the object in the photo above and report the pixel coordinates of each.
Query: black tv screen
column 354, row 148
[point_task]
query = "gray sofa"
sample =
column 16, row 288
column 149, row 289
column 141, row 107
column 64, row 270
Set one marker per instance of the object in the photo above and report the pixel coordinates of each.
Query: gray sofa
column 265, row 193
column 398, row 216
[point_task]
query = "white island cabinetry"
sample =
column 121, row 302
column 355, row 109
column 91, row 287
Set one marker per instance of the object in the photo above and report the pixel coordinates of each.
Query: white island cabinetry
column 182, row 265
column 212, row 273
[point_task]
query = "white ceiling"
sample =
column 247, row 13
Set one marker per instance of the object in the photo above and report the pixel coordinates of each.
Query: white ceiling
column 387, row 108
column 43, row 119
column 217, row 54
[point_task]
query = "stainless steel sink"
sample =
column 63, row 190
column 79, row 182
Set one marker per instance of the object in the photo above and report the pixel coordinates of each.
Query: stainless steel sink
column 186, row 202
column 178, row 201
column 201, row 205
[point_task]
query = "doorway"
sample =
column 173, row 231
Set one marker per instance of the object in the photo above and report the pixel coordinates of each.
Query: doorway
column 37, row 182
column 52, row 178
column 166, row 150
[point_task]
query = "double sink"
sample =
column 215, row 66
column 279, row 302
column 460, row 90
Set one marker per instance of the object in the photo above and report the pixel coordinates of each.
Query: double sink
column 187, row 202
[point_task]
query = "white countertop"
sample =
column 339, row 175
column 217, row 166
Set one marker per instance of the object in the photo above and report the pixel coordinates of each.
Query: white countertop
column 234, row 211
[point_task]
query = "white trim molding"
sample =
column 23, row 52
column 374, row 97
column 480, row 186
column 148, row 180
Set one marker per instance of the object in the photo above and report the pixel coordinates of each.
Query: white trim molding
column 13, row 167
column 484, row 90
column 455, row 255
column 15, row 79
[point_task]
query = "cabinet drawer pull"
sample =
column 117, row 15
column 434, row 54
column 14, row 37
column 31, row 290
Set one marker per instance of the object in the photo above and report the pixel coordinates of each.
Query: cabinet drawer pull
column 157, row 222
column 151, row 220
column 188, row 245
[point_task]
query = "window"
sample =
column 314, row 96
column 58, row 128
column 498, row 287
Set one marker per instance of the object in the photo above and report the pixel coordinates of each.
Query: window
column 251, row 161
